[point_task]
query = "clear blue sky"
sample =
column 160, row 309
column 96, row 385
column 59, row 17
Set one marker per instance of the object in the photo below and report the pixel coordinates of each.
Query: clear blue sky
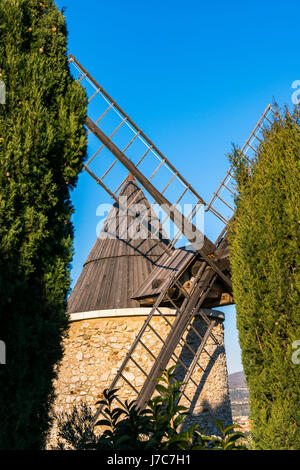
column 195, row 76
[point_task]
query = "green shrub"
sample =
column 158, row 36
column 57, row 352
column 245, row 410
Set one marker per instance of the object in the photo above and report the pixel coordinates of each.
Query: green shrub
column 265, row 266
column 158, row 427
column 42, row 147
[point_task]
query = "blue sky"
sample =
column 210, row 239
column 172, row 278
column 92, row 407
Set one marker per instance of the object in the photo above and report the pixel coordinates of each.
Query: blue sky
column 195, row 76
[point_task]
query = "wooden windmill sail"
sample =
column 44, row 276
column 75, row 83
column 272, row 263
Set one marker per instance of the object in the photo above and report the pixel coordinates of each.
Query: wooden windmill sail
column 186, row 280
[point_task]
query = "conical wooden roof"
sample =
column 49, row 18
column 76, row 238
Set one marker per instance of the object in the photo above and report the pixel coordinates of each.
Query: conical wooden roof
column 119, row 261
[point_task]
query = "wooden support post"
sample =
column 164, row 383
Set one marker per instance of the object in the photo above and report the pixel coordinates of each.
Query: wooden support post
column 175, row 335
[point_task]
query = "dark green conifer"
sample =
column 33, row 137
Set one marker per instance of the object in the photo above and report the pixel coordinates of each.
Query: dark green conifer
column 265, row 262
column 42, row 147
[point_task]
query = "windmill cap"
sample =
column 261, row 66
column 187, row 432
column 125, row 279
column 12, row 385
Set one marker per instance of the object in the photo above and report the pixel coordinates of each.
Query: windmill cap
column 130, row 177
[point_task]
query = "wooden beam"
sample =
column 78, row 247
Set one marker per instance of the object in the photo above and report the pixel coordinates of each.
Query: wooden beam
column 188, row 228
column 137, row 129
column 145, row 223
column 179, row 326
column 191, row 232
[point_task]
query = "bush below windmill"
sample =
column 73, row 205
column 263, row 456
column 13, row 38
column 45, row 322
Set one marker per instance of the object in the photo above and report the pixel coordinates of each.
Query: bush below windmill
column 158, row 427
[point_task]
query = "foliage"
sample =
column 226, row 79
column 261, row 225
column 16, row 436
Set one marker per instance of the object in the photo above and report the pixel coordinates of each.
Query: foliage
column 158, row 427
column 75, row 428
column 42, row 146
column 265, row 261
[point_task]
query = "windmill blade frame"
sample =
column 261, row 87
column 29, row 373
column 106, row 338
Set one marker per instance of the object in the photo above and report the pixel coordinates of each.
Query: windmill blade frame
column 226, row 188
column 185, row 226
column 187, row 193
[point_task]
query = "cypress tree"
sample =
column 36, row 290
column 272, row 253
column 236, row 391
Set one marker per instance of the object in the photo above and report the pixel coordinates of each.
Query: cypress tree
column 42, row 147
column 265, row 262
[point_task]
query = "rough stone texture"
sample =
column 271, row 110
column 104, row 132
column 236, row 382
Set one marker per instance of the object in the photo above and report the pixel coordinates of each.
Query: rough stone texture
column 95, row 349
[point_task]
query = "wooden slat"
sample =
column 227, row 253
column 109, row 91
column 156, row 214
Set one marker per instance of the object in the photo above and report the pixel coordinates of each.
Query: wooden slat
column 178, row 262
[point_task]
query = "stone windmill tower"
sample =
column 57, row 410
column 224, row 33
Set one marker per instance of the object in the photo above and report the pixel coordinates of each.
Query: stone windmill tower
column 142, row 303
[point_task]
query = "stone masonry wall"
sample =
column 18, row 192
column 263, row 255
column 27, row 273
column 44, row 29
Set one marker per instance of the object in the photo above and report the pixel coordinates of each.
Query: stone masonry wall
column 95, row 349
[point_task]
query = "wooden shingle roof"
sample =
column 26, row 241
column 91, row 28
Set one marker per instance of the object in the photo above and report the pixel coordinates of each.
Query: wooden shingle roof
column 119, row 262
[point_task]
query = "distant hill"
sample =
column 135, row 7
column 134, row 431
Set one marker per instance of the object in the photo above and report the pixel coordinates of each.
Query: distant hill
column 237, row 380
column 239, row 397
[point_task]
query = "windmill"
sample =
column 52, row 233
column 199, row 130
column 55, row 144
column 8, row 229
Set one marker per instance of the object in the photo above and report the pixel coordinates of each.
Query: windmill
column 188, row 281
